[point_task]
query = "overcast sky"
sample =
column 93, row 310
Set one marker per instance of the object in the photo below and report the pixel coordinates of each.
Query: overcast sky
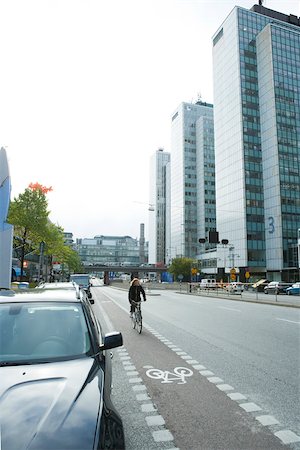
column 87, row 91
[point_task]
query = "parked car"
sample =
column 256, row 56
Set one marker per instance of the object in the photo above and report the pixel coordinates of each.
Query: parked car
column 294, row 289
column 55, row 371
column 208, row 283
column 235, row 287
column 276, row 287
column 83, row 281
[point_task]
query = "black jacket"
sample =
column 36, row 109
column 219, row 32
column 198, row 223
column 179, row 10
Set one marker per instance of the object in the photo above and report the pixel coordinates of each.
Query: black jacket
column 135, row 293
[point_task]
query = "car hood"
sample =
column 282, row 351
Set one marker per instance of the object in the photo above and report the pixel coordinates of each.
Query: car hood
column 50, row 406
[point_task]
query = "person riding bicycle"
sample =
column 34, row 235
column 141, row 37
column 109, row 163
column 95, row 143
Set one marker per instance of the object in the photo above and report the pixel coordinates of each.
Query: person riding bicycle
column 134, row 294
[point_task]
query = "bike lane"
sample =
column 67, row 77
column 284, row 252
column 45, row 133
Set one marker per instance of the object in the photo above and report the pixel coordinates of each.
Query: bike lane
column 183, row 406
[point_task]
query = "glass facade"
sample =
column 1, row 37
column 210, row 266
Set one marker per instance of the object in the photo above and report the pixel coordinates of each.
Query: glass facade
column 158, row 199
column 257, row 138
column 110, row 250
column 191, row 136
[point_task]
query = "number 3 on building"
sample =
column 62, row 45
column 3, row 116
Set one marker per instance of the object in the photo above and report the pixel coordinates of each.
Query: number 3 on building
column 271, row 224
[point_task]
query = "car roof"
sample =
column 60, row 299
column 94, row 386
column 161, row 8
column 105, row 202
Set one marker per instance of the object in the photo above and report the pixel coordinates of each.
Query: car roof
column 57, row 285
column 41, row 295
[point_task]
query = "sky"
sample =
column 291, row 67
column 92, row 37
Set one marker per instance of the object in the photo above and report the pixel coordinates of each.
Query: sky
column 87, row 92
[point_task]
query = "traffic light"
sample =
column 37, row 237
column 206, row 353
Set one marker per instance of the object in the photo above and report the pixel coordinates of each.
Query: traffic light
column 213, row 237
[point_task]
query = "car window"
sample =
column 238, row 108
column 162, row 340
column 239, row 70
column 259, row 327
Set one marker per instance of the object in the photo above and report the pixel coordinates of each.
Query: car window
column 43, row 331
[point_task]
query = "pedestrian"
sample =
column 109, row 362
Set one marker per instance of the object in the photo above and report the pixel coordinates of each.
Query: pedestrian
column 134, row 294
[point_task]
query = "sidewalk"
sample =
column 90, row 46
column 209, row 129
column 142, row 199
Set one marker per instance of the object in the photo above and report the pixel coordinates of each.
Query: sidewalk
column 252, row 297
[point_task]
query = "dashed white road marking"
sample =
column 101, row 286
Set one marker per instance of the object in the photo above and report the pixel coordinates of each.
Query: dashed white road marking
column 225, row 387
column 236, row 396
column 162, row 436
column 229, row 309
column 206, row 373
column 286, row 320
column 215, row 380
column 148, row 407
column 155, row 421
column 139, row 387
column 250, row 407
column 135, row 380
column 142, row 397
column 287, row 436
column 267, row 420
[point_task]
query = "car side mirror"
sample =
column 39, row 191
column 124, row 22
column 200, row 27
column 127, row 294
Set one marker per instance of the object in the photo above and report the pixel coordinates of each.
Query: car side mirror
column 112, row 340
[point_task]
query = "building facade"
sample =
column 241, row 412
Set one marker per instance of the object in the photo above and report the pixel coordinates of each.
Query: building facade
column 159, row 193
column 192, row 210
column 111, row 250
column 256, row 59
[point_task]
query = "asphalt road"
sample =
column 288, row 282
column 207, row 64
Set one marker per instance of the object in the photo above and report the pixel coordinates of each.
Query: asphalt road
column 239, row 383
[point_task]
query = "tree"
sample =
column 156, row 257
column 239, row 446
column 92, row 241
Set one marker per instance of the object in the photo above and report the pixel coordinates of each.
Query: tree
column 28, row 214
column 182, row 266
column 55, row 247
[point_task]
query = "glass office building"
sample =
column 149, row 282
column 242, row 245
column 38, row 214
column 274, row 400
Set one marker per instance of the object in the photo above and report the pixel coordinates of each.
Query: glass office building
column 256, row 55
column 192, row 139
column 158, row 206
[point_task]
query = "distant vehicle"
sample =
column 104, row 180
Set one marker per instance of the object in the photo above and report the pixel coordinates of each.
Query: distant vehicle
column 208, row 283
column 56, row 372
column 294, row 290
column 235, row 287
column 83, row 281
column 276, row 287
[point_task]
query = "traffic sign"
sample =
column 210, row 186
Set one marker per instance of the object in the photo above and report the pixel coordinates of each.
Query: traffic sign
column 233, row 271
column 247, row 274
column 233, row 276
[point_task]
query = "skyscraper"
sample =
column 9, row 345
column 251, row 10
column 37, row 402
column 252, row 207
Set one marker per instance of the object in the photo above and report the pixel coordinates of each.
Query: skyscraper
column 158, row 198
column 256, row 58
column 192, row 209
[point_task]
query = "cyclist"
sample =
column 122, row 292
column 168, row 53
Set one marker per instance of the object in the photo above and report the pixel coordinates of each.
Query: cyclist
column 134, row 294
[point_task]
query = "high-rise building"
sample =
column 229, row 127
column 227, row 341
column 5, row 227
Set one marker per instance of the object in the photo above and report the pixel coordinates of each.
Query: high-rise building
column 158, row 206
column 256, row 59
column 192, row 177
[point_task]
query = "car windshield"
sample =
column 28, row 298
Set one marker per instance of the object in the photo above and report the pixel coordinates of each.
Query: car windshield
column 42, row 331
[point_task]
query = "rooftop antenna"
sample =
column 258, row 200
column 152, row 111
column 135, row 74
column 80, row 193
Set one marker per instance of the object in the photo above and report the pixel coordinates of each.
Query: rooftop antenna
column 260, row 2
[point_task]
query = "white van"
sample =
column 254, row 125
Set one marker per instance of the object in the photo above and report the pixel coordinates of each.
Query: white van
column 208, row 283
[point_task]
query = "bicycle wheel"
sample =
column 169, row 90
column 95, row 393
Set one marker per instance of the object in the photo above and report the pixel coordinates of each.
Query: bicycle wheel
column 133, row 320
column 139, row 322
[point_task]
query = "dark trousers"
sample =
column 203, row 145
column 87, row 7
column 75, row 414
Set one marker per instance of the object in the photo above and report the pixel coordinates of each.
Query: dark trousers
column 132, row 306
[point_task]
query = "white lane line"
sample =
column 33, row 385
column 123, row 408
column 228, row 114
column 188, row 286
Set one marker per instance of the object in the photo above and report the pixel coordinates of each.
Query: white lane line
column 225, row 387
column 250, row 407
column 215, row 380
column 267, row 420
column 237, row 396
column 153, row 421
column 206, row 373
column 162, row 436
column 287, row 436
column 286, row 320
column 143, row 397
column 135, row 380
column 229, row 309
column 148, row 407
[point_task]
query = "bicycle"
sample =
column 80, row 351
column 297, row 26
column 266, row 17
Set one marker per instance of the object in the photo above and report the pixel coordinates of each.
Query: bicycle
column 136, row 318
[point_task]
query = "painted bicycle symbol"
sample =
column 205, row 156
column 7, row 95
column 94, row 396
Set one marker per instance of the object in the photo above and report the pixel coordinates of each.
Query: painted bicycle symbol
column 179, row 375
